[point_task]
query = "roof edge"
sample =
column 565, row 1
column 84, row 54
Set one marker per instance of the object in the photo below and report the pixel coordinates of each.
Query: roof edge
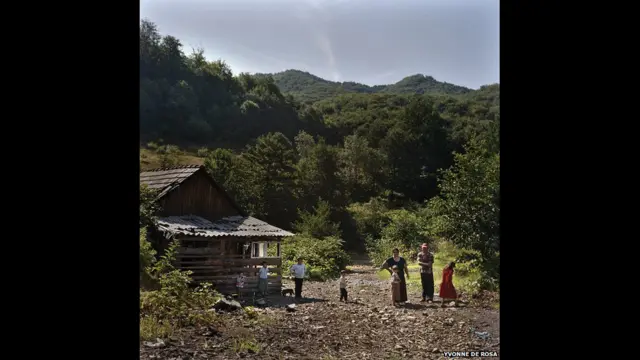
column 174, row 168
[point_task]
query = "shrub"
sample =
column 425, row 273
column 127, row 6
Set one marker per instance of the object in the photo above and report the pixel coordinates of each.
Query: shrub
column 203, row 152
column 370, row 217
column 381, row 249
column 152, row 328
column 174, row 303
column 147, row 260
column 325, row 257
column 404, row 231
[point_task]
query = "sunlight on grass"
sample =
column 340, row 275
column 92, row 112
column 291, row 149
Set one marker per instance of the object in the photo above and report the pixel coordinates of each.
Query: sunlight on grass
column 151, row 328
column 151, row 160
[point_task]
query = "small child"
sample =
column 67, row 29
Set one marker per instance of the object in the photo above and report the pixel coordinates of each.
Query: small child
column 447, row 290
column 263, row 276
column 343, row 285
column 395, row 286
column 240, row 284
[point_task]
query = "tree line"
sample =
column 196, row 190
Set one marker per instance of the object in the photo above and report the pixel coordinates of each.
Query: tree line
column 376, row 170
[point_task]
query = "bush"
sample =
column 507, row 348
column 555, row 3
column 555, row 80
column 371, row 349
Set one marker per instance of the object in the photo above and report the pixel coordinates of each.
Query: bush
column 174, row 304
column 381, row 249
column 370, row 217
column 152, row 328
column 147, row 260
column 325, row 257
column 404, row 231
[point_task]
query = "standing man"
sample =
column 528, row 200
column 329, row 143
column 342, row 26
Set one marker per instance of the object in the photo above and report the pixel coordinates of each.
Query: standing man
column 298, row 270
column 425, row 259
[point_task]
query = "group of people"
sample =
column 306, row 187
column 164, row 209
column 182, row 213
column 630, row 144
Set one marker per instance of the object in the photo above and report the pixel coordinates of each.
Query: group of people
column 299, row 272
column 397, row 267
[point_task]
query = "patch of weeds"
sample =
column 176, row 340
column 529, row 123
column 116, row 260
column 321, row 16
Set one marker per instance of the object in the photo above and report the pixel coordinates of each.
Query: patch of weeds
column 152, row 328
column 248, row 345
column 250, row 312
column 257, row 318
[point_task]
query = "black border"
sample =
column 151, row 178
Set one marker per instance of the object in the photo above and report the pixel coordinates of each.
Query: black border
column 77, row 207
column 544, row 229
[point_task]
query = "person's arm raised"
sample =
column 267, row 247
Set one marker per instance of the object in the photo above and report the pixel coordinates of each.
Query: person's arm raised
column 385, row 266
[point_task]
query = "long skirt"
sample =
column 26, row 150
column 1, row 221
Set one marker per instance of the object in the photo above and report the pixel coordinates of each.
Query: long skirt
column 448, row 291
column 403, row 291
column 395, row 292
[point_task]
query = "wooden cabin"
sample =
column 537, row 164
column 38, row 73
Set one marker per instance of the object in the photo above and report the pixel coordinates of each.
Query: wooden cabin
column 218, row 240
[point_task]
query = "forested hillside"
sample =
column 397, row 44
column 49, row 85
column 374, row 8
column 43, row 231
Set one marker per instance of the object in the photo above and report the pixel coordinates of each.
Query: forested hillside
column 378, row 167
column 308, row 88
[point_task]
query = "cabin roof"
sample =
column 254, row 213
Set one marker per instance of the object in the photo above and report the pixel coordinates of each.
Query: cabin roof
column 165, row 180
column 241, row 226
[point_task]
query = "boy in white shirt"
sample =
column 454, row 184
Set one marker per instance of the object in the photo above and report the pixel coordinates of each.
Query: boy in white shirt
column 299, row 271
column 263, row 275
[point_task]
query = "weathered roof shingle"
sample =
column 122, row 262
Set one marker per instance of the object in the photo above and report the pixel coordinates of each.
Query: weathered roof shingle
column 242, row 226
column 167, row 179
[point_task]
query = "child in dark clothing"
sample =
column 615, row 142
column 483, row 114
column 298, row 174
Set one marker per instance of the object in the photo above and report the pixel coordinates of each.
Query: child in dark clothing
column 343, row 285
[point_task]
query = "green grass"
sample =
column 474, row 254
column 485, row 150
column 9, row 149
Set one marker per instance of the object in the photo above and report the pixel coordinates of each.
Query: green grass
column 250, row 345
column 151, row 160
column 151, row 328
column 445, row 254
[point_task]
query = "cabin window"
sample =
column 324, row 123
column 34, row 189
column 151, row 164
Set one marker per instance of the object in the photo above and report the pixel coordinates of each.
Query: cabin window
column 265, row 250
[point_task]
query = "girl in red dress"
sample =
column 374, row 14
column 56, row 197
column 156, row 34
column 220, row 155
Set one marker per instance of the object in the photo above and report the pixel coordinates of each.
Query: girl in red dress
column 447, row 291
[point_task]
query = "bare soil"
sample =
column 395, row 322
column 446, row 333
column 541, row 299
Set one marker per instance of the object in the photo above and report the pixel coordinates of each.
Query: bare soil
column 322, row 327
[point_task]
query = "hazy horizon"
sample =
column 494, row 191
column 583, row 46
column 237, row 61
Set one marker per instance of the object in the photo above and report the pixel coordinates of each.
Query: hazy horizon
column 374, row 42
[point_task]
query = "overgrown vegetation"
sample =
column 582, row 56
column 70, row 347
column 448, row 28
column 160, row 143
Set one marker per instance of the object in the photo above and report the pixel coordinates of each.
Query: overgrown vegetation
column 353, row 167
column 167, row 302
column 173, row 304
column 318, row 243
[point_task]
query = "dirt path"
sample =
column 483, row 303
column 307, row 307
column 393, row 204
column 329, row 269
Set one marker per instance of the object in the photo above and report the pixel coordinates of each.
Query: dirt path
column 321, row 327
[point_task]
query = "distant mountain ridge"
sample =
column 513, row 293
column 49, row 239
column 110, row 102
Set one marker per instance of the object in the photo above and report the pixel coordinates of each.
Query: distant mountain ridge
column 309, row 87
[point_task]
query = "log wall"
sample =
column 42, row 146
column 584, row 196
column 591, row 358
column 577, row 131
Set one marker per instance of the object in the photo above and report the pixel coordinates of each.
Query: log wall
column 216, row 261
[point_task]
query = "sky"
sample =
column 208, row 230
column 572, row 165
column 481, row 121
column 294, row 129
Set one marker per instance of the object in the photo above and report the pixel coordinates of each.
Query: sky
column 372, row 42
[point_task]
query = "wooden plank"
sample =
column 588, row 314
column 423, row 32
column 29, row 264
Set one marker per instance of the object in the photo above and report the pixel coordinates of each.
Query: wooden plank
column 232, row 280
column 213, row 255
column 228, row 270
column 227, row 277
column 232, row 260
column 208, row 251
column 258, row 261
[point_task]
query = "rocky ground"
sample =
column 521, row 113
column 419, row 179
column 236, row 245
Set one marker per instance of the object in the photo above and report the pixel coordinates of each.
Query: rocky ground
column 321, row 327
